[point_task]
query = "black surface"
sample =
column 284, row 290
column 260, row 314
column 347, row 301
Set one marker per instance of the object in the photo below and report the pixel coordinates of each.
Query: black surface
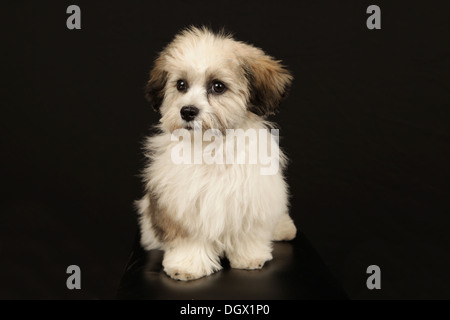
column 366, row 127
column 296, row 272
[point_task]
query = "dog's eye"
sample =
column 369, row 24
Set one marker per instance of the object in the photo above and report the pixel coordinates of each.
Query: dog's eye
column 181, row 85
column 218, row 87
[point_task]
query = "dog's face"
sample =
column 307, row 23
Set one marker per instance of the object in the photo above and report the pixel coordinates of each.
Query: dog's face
column 213, row 79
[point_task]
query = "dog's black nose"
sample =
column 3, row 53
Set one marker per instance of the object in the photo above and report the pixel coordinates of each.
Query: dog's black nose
column 189, row 113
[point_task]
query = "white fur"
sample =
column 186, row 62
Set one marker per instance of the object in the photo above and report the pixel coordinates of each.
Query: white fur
column 226, row 209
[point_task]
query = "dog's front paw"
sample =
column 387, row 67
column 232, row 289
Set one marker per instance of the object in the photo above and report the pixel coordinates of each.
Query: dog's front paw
column 249, row 264
column 184, row 275
column 184, row 263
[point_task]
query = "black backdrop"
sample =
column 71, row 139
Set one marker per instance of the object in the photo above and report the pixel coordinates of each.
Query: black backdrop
column 366, row 126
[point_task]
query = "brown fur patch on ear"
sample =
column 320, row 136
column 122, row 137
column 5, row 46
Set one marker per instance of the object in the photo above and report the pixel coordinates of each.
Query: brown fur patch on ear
column 154, row 89
column 268, row 80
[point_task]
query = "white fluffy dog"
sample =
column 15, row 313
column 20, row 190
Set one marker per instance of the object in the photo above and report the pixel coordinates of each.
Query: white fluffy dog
column 198, row 213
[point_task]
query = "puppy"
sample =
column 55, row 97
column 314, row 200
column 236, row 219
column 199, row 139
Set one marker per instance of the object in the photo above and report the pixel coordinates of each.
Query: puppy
column 198, row 212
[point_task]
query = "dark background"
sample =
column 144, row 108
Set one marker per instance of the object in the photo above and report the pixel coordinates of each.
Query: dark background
column 366, row 127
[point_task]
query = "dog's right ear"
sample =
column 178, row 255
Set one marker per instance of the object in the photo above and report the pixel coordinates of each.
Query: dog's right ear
column 154, row 89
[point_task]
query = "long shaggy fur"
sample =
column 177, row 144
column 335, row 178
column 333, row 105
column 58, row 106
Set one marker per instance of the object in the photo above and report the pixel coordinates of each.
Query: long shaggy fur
column 199, row 213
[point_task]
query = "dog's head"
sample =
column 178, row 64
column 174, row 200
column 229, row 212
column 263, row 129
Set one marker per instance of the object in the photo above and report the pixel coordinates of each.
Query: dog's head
column 214, row 79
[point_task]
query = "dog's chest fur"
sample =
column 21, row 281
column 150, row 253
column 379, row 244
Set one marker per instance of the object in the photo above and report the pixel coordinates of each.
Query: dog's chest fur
column 211, row 200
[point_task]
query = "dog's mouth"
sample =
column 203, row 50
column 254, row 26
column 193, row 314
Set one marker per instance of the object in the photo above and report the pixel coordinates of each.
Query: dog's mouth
column 200, row 126
column 192, row 125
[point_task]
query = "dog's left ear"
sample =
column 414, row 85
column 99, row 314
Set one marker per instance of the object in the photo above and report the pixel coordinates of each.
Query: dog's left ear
column 268, row 80
column 154, row 89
